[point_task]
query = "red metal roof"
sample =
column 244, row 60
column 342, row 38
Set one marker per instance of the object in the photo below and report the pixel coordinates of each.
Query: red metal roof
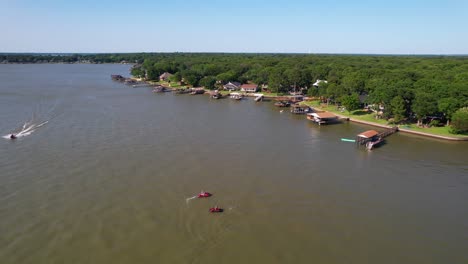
column 368, row 134
column 249, row 86
column 325, row 115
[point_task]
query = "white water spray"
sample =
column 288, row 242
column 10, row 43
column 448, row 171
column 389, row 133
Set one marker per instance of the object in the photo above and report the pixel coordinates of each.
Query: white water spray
column 191, row 198
column 27, row 129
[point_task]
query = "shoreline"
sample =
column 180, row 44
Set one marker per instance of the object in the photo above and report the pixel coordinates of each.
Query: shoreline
column 404, row 130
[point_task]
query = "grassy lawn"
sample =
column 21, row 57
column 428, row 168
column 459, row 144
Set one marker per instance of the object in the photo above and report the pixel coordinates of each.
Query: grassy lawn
column 442, row 131
column 224, row 92
column 270, row 94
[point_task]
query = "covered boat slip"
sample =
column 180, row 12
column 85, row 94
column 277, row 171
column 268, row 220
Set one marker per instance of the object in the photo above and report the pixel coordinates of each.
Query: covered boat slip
column 322, row 118
column 372, row 138
column 368, row 134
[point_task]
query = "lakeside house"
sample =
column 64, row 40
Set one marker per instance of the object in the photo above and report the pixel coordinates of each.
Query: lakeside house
column 232, row 86
column 249, row 88
column 317, row 83
column 165, row 76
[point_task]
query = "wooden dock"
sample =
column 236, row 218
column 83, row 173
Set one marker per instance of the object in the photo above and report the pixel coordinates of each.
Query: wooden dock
column 382, row 135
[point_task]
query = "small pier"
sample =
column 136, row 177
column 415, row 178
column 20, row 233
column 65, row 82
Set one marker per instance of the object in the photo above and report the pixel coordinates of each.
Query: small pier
column 371, row 135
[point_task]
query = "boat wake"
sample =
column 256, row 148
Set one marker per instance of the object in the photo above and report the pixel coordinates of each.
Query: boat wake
column 43, row 112
column 27, row 129
column 191, row 198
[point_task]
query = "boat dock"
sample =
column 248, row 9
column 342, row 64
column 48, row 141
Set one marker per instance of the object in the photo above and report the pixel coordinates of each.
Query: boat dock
column 368, row 136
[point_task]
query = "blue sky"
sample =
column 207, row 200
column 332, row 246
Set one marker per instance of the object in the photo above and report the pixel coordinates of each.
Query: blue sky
column 296, row 26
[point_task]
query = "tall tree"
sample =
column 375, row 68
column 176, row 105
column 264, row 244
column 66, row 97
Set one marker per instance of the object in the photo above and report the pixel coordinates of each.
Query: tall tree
column 448, row 106
column 276, row 81
column 460, row 121
column 351, row 102
column 398, row 108
column 424, row 104
column 208, row 82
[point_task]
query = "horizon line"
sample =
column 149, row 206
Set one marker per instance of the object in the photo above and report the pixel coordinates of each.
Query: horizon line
column 234, row 52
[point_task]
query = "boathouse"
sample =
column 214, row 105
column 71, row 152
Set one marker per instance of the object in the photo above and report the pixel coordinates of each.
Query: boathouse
column 322, row 118
column 368, row 134
column 197, row 91
column 371, row 138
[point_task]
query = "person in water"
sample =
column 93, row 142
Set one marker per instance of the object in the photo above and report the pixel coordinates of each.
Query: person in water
column 12, row 136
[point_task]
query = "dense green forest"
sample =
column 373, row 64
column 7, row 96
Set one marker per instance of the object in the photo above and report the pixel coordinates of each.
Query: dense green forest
column 424, row 89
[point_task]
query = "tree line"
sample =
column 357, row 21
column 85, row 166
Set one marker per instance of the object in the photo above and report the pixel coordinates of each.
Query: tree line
column 427, row 89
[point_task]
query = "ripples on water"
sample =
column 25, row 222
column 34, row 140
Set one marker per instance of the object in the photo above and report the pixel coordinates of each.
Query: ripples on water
column 105, row 180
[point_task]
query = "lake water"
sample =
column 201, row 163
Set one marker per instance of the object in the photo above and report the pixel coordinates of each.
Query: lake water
column 106, row 176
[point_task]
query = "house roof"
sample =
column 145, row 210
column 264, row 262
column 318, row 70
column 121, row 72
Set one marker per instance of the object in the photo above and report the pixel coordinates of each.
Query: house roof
column 165, row 75
column 368, row 134
column 316, row 83
column 324, row 115
column 234, row 83
column 249, row 86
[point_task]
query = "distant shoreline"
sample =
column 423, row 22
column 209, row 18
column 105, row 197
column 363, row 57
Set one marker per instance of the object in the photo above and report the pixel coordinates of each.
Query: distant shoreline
column 61, row 62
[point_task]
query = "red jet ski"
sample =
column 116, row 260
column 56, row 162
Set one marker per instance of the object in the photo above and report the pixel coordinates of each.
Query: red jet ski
column 204, row 194
column 216, row 209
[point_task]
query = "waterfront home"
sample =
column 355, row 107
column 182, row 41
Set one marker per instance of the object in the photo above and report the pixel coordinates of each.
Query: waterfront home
column 249, row 88
column 317, row 83
column 322, row 118
column 165, row 76
column 232, row 86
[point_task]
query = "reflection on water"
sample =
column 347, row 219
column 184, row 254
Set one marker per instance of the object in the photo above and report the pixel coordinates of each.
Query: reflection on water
column 107, row 178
